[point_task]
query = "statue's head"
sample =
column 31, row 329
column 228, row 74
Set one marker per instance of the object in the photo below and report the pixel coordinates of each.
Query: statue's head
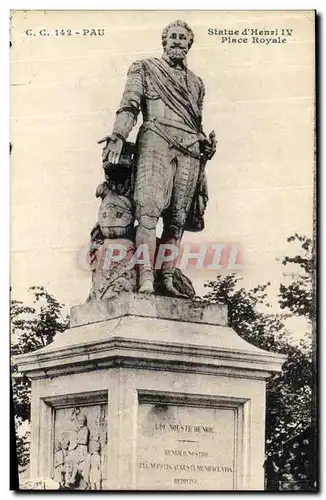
column 58, row 446
column 81, row 421
column 177, row 38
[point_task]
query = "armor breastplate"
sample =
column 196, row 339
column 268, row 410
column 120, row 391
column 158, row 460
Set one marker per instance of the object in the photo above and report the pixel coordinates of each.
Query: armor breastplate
column 154, row 107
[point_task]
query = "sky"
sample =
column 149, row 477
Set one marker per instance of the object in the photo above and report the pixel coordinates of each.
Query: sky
column 64, row 94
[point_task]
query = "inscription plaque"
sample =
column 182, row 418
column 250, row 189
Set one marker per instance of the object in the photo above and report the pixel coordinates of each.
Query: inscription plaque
column 185, row 447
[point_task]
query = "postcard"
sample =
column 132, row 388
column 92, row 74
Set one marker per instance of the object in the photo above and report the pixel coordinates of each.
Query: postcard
column 163, row 250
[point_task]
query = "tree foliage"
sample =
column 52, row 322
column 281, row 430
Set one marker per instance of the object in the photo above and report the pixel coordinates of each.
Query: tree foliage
column 299, row 296
column 32, row 327
column 22, row 445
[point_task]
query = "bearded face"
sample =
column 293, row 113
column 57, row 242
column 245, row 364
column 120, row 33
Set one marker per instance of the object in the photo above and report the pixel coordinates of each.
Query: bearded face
column 177, row 43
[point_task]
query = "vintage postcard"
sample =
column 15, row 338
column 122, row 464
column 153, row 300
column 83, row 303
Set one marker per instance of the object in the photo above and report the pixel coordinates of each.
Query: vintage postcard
column 163, row 305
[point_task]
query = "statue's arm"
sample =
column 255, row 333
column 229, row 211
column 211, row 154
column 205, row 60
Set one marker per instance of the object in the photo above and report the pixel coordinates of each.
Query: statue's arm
column 210, row 144
column 201, row 96
column 127, row 113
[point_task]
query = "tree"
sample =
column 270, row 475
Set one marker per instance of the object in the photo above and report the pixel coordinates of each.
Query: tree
column 22, row 445
column 299, row 296
column 32, row 327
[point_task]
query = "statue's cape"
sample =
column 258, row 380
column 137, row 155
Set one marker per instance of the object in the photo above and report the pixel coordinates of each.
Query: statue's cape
column 173, row 92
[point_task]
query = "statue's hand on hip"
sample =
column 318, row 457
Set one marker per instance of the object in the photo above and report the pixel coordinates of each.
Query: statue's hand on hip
column 112, row 149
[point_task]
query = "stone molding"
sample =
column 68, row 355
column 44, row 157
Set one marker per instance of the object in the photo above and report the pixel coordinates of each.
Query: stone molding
column 150, row 342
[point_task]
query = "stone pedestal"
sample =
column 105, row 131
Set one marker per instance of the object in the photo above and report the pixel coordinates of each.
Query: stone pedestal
column 174, row 396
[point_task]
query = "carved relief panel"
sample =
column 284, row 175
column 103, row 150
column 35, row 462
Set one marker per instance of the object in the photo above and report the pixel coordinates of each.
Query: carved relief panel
column 80, row 447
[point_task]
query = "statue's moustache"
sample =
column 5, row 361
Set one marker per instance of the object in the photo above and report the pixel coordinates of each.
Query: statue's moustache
column 177, row 51
column 176, row 47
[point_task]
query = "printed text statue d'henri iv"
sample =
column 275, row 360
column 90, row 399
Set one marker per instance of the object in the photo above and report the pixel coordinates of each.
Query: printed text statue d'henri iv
column 171, row 148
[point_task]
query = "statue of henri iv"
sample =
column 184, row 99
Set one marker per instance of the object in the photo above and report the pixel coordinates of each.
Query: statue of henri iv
column 170, row 153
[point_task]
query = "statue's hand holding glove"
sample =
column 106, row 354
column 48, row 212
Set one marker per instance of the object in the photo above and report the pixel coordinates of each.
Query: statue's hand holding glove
column 112, row 149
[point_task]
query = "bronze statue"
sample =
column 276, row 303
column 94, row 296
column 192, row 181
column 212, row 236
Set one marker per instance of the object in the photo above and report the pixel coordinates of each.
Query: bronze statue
column 168, row 178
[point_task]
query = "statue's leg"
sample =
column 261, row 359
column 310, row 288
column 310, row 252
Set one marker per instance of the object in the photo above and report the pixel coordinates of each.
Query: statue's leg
column 172, row 234
column 174, row 220
column 153, row 178
column 146, row 239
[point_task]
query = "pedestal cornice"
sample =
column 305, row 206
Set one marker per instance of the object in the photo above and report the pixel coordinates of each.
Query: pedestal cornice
column 135, row 332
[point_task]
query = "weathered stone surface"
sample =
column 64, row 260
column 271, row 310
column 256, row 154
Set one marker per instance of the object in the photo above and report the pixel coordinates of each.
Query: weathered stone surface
column 111, row 278
column 185, row 448
column 153, row 306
